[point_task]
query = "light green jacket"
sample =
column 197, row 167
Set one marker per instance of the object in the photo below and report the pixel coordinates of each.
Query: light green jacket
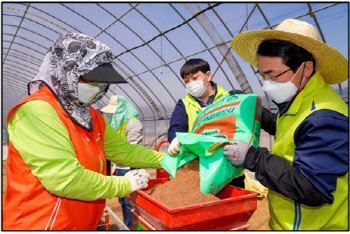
column 43, row 141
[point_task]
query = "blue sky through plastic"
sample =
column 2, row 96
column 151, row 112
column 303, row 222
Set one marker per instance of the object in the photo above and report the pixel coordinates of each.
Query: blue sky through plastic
column 153, row 67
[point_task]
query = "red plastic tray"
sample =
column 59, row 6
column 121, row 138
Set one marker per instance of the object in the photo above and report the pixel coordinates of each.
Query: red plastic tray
column 232, row 211
column 161, row 173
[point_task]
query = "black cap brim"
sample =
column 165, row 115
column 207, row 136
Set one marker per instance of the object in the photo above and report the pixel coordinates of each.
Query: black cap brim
column 104, row 73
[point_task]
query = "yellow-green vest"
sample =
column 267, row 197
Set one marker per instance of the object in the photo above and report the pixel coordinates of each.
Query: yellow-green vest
column 193, row 108
column 286, row 214
column 121, row 129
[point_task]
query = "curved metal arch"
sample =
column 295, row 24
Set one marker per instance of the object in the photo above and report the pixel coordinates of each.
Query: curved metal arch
column 24, row 60
column 20, row 97
column 269, row 26
column 21, row 68
column 155, row 107
column 216, row 38
column 50, row 22
column 16, row 75
column 18, row 72
column 19, row 63
column 15, row 84
column 146, row 94
column 12, row 96
column 16, row 26
column 20, row 54
column 34, row 22
column 29, row 48
column 23, row 81
column 169, row 41
column 231, row 34
column 12, row 99
column 149, row 99
column 312, row 15
column 117, row 19
column 9, row 34
column 153, row 52
column 205, row 45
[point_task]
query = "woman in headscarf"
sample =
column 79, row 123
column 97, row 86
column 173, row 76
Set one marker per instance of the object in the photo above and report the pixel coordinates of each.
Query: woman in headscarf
column 56, row 164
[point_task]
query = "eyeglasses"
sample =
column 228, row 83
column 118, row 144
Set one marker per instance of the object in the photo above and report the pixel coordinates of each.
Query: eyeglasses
column 261, row 77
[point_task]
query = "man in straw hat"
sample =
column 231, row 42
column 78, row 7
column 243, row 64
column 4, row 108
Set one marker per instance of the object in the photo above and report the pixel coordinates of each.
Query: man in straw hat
column 307, row 170
column 124, row 119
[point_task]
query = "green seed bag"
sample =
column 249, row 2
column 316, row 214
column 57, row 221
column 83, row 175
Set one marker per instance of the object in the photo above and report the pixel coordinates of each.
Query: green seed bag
column 232, row 117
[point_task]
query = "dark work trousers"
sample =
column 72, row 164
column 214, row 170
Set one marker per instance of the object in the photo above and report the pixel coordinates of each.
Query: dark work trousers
column 124, row 202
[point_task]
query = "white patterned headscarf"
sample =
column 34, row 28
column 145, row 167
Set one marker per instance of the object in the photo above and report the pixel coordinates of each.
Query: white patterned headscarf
column 71, row 56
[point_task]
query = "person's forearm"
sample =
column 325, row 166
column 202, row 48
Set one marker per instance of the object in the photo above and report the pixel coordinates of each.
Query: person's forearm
column 277, row 174
column 120, row 151
column 268, row 121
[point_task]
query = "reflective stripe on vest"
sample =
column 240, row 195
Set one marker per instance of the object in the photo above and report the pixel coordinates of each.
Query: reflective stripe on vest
column 28, row 205
column 285, row 213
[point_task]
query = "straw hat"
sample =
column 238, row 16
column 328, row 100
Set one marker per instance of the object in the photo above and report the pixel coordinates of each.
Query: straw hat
column 332, row 65
column 111, row 107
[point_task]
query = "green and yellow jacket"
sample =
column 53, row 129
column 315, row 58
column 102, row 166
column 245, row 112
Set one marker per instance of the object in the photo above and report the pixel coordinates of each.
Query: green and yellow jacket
column 307, row 170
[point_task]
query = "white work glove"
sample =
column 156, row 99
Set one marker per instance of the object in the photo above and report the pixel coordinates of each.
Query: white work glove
column 236, row 152
column 174, row 147
column 138, row 179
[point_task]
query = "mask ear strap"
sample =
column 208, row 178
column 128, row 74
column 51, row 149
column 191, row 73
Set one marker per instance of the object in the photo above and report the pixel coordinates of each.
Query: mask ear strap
column 207, row 82
column 302, row 74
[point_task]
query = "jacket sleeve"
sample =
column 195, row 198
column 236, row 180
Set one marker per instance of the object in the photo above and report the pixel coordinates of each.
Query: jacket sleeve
column 321, row 156
column 120, row 151
column 322, row 149
column 277, row 174
column 268, row 121
column 178, row 121
column 43, row 141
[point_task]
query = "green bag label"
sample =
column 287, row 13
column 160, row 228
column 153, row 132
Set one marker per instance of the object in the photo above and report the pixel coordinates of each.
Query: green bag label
column 232, row 117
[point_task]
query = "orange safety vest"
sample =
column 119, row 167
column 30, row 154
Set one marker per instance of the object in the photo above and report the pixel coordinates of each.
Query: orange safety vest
column 28, row 205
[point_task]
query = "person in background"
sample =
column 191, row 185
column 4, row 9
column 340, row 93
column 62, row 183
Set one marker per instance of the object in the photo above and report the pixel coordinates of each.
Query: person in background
column 307, row 171
column 59, row 144
column 202, row 92
column 124, row 119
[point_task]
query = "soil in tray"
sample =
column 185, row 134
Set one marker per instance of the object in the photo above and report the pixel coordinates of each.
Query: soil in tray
column 182, row 190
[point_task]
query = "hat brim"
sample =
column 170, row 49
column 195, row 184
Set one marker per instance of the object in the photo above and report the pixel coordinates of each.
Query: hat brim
column 109, row 108
column 104, row 73
column 332, row 65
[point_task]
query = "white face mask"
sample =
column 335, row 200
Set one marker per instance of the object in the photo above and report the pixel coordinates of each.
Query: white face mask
column 280, row 92
column 87, row 91
column 196, row 88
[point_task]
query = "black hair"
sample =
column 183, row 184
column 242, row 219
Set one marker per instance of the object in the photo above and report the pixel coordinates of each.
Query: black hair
column 292, row 55
column 192, row 66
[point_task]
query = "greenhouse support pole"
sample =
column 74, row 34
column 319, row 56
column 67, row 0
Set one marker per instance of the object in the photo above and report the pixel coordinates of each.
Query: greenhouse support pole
column 215, row 36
